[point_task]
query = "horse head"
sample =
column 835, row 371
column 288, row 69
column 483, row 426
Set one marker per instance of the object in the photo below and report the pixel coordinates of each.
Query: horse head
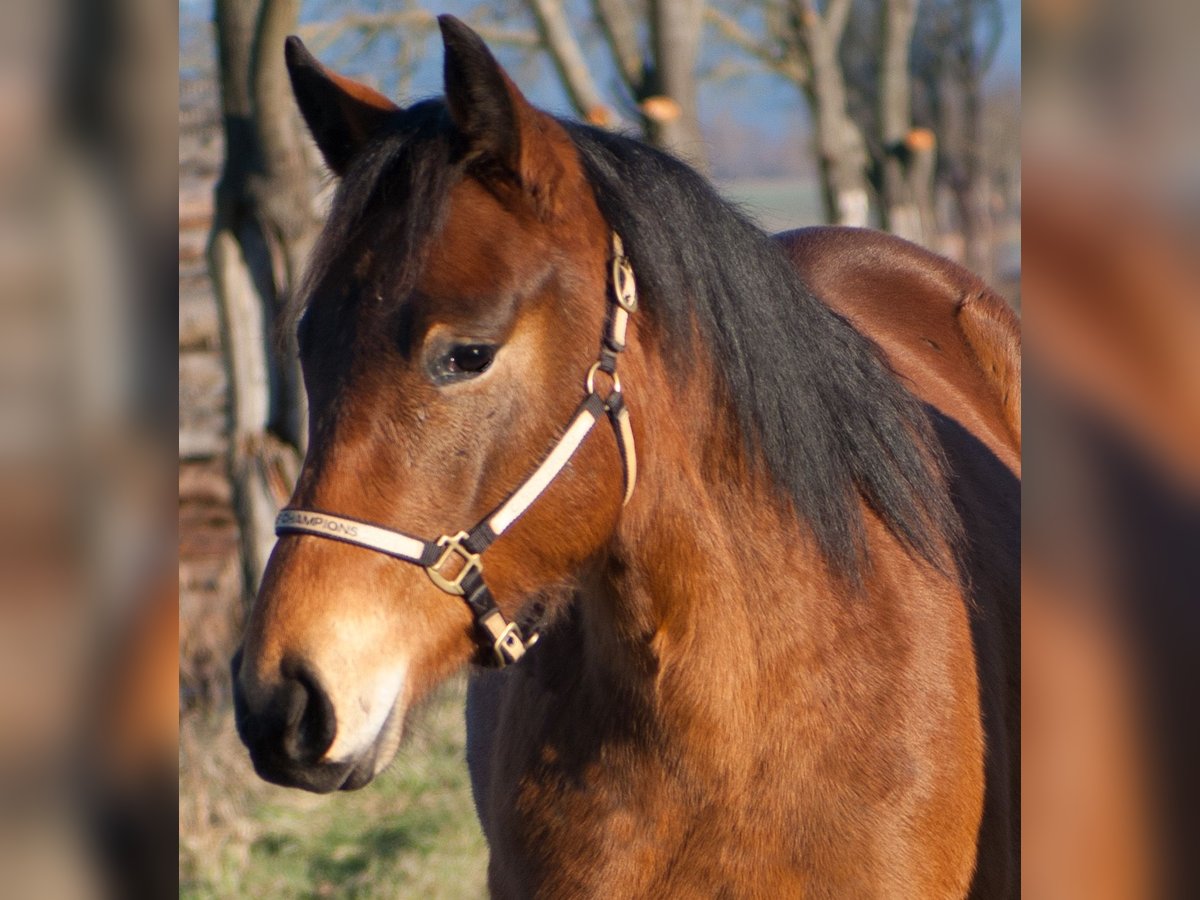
column 456, row 304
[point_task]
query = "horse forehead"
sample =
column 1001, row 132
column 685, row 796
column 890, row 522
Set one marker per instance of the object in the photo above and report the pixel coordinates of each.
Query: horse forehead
column 483, row 246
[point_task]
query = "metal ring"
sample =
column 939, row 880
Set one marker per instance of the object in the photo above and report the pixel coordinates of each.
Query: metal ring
column 590, row 383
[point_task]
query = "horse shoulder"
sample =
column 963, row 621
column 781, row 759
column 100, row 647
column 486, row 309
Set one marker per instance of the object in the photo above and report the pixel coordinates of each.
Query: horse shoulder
column 953, row 340
column 957, row 347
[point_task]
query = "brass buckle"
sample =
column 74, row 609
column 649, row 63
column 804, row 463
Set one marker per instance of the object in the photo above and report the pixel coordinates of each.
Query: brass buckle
column 510, row 640
column 454, row 547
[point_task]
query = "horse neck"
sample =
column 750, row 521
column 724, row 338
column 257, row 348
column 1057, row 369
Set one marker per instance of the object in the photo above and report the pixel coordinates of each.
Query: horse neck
column 710, row 571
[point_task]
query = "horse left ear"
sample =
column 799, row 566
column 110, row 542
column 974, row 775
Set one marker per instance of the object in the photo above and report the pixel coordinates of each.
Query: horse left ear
column 341, row 113
column 499, row 124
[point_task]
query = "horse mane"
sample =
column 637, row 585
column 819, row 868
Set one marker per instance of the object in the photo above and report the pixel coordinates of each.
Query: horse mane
column 813, row 397
column 811, row 394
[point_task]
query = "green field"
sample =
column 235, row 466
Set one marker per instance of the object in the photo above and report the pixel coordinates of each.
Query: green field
column 410, row 833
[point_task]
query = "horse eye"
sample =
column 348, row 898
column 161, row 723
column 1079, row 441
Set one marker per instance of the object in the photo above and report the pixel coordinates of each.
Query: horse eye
column 470, row 359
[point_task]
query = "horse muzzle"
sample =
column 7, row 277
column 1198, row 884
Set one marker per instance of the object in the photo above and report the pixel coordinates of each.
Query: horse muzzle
column 290, row 730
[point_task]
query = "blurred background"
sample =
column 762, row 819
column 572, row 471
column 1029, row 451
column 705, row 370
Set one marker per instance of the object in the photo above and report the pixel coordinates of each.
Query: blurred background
column 805, row 112
column 1111, row 288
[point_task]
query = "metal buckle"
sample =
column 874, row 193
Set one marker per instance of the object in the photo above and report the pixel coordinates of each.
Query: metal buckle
column 510, row 642
column 624, row 285
column 454, row 547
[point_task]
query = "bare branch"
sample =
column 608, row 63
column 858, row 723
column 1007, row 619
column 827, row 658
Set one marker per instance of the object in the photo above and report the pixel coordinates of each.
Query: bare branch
column 322, row 34
column 828, row 26
column 776, row 56
column 569, row 61
column 319, row 35
column 732, row 31
column 620, row 30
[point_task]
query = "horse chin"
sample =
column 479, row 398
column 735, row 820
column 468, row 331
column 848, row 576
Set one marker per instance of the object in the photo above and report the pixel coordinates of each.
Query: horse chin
column 360, row 776
column 323, row 777
column 380, row 755
column 320, row 778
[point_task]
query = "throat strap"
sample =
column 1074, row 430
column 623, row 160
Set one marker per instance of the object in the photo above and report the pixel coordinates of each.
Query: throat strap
column 453, row 562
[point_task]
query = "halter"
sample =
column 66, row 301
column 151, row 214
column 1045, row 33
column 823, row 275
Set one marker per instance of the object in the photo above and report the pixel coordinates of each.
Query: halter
column 437, row 558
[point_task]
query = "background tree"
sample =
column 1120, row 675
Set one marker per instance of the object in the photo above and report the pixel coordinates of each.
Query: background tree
column 263, row 227
column 955, row 47
column 876, row 56
column 655, row 50
column 895, row 93
column 802, row 42
column 905, row 158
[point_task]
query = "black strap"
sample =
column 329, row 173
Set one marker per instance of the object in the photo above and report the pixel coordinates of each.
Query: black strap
column 608, row 361
column 480, row 537
column 477, row 595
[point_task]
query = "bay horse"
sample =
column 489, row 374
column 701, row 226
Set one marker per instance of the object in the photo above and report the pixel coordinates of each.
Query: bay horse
column 736, row 517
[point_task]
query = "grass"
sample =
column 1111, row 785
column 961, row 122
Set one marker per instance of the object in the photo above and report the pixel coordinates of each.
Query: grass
column 410, row 833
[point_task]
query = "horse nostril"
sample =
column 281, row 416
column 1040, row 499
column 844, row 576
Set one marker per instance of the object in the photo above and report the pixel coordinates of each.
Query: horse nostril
column 309, row 721
column 286, row 723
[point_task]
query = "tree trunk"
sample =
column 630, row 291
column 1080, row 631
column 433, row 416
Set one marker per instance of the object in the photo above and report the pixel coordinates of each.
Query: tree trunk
column 922, row 170
column 974, row 192
column 841, row 149
column 900, row 204
column 676, row 27
column 663, row 84
column 282, row 193
column 619, row 24
column 569, row 62
column 263, row 227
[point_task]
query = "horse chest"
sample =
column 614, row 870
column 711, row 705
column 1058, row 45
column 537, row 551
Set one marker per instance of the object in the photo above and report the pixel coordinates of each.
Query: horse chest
column 591, row 811
column 553, row 844
column 625, row 827
column 726, row 853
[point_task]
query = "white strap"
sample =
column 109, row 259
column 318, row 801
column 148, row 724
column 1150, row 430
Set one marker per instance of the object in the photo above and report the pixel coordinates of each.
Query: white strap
column 545, row 473
column 619, row 326
column 391, row 542
column 628, row 451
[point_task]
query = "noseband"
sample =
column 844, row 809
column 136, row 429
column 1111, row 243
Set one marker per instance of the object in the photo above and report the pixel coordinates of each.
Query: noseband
column 494, row 632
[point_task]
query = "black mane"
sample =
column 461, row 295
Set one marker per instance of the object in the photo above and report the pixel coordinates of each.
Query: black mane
column 812, row 396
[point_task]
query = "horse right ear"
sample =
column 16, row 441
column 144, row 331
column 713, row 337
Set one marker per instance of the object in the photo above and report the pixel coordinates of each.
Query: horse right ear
column 341, row 113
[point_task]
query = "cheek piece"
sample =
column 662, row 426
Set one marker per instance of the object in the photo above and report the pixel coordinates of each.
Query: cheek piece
column 454, row 562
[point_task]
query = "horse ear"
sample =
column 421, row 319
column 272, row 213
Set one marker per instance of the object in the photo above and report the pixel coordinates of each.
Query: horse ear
column 499, row 124
column 341, row 113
